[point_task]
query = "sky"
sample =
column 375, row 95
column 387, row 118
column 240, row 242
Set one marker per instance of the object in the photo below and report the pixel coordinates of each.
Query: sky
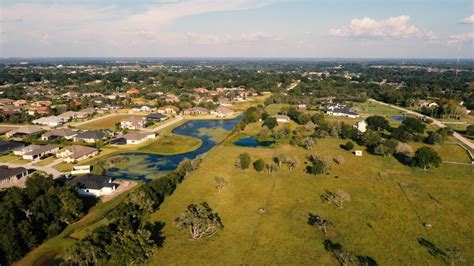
column 237, row 28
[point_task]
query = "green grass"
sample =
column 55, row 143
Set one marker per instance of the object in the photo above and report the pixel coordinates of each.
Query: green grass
column 382, row 221
column 275, row 108
column 172, row 144
column 107, row 122
column 8, row 158
column 46, row 161
column 371, row 108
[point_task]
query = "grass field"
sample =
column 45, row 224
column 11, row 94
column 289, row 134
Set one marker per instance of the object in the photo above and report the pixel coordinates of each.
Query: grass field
column 172, row 144
column 384, row 220
column 107, row 122
column 370, row 108
column 275, row 108
column 46, row 161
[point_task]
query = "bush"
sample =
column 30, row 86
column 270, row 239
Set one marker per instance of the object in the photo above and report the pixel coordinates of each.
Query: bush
column 259, row 165
column 243, row 161
column 348, row 146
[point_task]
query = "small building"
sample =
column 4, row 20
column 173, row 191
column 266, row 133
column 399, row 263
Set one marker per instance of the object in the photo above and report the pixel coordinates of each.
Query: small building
column 302, row 107
column 59, row 133
column 361, row 126
column 168, row 109
column 81, row 169
column 132, row 123
column 341, row 110
column 11, row 175
column 51, row 121
column 282, row 118
column 93, row 185
column 196, row 111
column 358, row 153
column 76, row 153
column 85, row 113
column 90, row 136
column 22, row 132
column 223, row 112
column 40, row 151
column 155, row 117
column 138, row 137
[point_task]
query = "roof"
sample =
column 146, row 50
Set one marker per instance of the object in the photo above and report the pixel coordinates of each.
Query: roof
column 49, row 119
column 168, row 107
column 92, row 181
column 155, row 116
column 282, row 117
column 344, row 110
column 60, row 132
column 26, row 130
column 68, row 114
column 197, row 109
column 41, row 149
column 6, row 146
column 78, row 151
column 137, row 135
column 91, row 135
column 6, row 172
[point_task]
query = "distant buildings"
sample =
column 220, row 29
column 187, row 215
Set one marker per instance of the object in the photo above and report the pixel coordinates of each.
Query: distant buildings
column 168, row 109
column 222, row 112
column 341, row 110
column 196, row 111
column 132, row 123
column 59, row 133
column 51, row 121
column 22, row 132
column 155, row 117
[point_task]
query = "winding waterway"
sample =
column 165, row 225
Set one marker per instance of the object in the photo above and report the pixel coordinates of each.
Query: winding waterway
column 142, row 166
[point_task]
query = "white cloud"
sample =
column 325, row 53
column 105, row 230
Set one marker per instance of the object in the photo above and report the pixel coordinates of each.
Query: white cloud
column 468, row 20
column 213, row 39
column 393, row 28
column 467, row 37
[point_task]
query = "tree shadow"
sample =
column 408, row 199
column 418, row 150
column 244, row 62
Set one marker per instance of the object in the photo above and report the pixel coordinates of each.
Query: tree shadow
column 432, row 248
column 157, row 232
column 403, row 159
column 366, row 260
column 313, row 219
column 331, row 246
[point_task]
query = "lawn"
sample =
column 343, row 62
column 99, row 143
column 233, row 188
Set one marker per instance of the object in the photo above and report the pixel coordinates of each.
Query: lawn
column 106, row 122
column 384, row 220
column 371, row 108
column 275, row 108
column 172, row 144
column 46, row 161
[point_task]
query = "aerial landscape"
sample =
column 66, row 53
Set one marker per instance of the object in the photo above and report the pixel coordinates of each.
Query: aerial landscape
column 236, row 132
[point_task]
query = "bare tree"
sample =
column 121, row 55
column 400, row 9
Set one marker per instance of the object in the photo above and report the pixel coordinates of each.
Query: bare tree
column 272, row 167
column 338, row 198
column 403, row 148
column 220, row 183
column 455, row 254
column 292, row 163
column 322, row 223
column 200, row 221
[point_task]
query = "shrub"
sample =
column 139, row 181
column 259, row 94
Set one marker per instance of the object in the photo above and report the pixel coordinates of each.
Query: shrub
column 259, row 165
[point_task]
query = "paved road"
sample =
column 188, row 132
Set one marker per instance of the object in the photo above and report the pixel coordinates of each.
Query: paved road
column 438, row 123
column 48, row 169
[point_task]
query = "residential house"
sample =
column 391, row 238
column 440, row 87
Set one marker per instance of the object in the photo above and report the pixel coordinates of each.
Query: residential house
column 24, row 149
column 341, row 110
column 69, row 115
column 133, row 91
column 138, row 137
column 170, row 98
column 8, row 146
column 40, row 151
column 132, row 123
column 50, row 121
column 155, row 117
column 90, row 136
column 222, row 112
column 20, row 103
column 59, row 133
column 41, row 103
column 196, row 111
column 41, row 110
column 22, row 132
column 6, row 101
column 224, row 101
column 143, row 108
column 84, row 113
column 11, row 175
column 93, row 185
column 302, row 107
column 282, row 118
column 168, row 109
column 77, row 153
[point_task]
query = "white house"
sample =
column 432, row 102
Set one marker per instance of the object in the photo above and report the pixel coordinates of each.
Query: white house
column 358, row 153
column 50, row 121
column 138, row 137
column 94, row 185
column 81, row 169
column 282, row 118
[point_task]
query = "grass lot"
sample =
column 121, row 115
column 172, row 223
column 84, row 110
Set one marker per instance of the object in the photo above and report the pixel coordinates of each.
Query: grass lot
column 57, row 245
column 384, row 219
column 106, row 122
column 172, row 144
column 275, row 108
column 46, row 161
column 8, row 158
column 370, row 108
column 251, row 101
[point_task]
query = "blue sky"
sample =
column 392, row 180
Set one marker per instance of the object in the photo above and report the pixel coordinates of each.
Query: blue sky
column 238, row 28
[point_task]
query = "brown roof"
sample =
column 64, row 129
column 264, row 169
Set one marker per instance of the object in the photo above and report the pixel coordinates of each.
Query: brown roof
column 79, row 151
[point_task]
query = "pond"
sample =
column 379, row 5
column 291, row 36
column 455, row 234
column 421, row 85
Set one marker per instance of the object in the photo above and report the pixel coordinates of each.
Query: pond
column 398, row 118
column 252, row 142
column 143, row 165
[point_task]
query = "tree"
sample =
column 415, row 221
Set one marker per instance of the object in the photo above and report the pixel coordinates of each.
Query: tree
column 426, row 157
column 200, row 221
column 377, row 122
column 319, row 166
column 382, row 149
column 220, row 183
column 322, row 223
column 455, row 254
column 270, row 122
column 348, row 146
column 307, row 143
column 272, row 167
column 434, row 138
column 259, row 165
column 336, row 198
column 413, row 125
column 243, row 161
column 470, row 130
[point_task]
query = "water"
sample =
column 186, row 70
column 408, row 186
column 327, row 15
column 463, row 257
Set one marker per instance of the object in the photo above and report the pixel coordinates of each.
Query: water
column 398, row 118
column 252, row 142
column 143, row 165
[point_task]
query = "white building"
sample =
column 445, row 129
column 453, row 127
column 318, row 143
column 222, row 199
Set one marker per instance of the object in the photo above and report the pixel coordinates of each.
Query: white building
column 282, row 118
column 50, row 121
column 94, row 185
column 138, row 137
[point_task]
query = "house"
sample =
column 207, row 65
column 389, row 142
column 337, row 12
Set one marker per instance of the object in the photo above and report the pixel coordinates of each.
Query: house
column 358, row 153
column 143, row 108
column 361, row 126
column 42, row 110
column 20, row 103
column 41, row 103
column 341, row 110
column 282, row 118
column 138, row 137
column 171, row 98
column 77, row 153
column 132, row 123
column 11, row 175
column 8, row 146
column 222, row 112
column 68, row 116
column 24, row 149
column 81, row 169
column 196, row 111
column 133, row 91
column 301, row 107
column 155, row 117
column 224, row 101
column 50, row 121
column 23, row 131
column 6, row 101
column 90, row 136
column 59, row 133
column 40, row 151
column 85, row 112
column 168, row 109
column 93, row 185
